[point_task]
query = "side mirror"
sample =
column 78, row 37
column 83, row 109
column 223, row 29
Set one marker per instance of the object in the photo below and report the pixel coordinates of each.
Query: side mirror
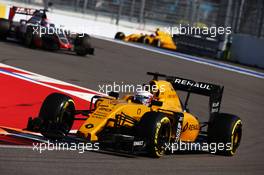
column 113, row 94
column 156, row 103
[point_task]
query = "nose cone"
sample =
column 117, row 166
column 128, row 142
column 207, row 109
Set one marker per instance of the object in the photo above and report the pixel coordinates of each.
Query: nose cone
column 65, row 45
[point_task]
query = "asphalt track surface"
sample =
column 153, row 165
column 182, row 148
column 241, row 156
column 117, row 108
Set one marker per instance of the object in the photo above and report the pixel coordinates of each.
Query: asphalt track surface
column 123, row 64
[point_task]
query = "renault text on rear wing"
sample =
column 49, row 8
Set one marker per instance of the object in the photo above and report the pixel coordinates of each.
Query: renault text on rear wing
column 213, row 91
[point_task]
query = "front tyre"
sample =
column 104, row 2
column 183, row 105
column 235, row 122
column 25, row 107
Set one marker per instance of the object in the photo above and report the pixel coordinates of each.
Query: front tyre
column 57, row 115
column 120, row 36
column 29, row 37
column 82, row 45
column 155, row 129
column 225, row 129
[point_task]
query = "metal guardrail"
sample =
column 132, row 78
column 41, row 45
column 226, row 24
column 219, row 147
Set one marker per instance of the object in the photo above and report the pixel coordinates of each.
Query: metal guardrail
column 244, row 16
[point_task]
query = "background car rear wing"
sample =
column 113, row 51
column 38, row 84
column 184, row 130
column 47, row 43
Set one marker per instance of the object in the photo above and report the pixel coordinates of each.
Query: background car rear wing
column 20, row 10
column 213, row 91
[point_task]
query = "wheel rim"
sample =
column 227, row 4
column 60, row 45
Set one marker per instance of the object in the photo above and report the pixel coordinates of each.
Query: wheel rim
column 67, row 117
column 236, row 136
column 163, row 136
column 159, row 43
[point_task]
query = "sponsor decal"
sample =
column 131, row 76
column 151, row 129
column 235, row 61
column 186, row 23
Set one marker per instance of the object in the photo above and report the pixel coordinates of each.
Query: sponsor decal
column 89, row 126
column 138, row 143
column 190, row 127
column 113, row 102
column 105, row 109
column 179, row 127
column 192, row 84
column 138, row 111
column 215, row 107
column 21, row 10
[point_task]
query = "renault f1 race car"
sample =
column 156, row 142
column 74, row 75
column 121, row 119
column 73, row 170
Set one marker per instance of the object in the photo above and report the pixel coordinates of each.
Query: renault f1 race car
column 128, row 125
column 159, row 39
column 38, row 32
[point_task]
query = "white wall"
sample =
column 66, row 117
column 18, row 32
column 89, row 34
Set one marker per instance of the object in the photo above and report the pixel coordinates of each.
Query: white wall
column 248, row 50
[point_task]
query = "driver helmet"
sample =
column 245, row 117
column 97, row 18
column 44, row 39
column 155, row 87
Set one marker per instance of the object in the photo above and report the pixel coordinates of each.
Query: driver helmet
column 144, row 97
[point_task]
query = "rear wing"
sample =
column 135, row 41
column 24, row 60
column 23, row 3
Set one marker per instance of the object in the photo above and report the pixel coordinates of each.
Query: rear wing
column 20, row 10
column 25, row 11
column 213, row 91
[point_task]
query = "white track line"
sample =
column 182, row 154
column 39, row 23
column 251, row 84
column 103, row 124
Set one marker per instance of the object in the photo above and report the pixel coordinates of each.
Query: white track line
column 38, row 77
column 82, row 95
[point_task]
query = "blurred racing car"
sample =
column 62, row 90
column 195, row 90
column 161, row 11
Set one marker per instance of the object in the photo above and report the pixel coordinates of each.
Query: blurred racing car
column 151, row 121
column 38, row 32
column 159, row 39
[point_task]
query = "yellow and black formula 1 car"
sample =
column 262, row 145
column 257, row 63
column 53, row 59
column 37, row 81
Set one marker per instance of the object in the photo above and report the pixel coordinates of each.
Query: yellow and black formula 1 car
column 127, row 125
column 159, row 39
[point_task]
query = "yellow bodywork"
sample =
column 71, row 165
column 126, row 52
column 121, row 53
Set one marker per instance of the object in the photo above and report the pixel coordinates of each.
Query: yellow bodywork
column 3, row 9
column 107, row 109
column 190, row 128
column 164, row 38
column 133, row 37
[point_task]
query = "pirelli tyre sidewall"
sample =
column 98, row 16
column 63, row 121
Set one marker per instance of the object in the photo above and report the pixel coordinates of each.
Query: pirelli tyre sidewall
column 82, row 45
column 29, row 37
column 4, row 28
column 227, row 129
column 57, row 113
column 120, row 36
column 155, row 129
column 141, row 39
column 157, row 42
column 146, row 40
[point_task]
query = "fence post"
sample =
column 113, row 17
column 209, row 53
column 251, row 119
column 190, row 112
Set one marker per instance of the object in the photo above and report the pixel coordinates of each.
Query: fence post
column 45, row 3
column 119, row 11
column 193, row 11
column 142, row 10
column 85, row 5
column 237, row 26
column 261, row 8
column 77, row 2
column 132, row 10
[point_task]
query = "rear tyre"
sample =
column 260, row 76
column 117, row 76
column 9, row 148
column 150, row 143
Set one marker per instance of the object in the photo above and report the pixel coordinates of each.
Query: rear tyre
column 4, row 28
column 157, row 43
column 225, row 129
column 57, row 115
column 141, row 39
column 146, row 40
column 155, row 129
column 29, row 37
column 120, row 36
column 82, row 45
